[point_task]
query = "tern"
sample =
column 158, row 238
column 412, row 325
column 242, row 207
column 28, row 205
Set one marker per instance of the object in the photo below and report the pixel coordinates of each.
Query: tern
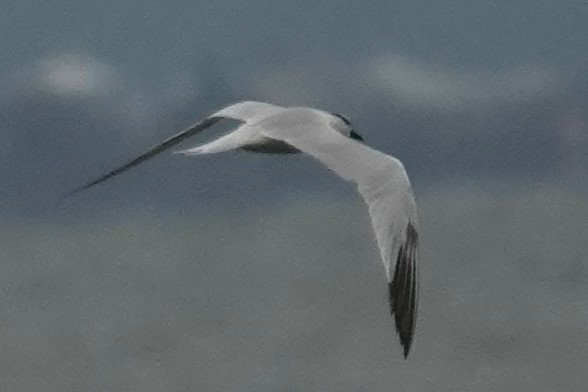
column 328, row 137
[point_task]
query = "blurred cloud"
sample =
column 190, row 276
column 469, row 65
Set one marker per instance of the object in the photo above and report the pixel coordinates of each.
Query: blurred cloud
column 417, row 83
column 76, row 75
column 65, row 75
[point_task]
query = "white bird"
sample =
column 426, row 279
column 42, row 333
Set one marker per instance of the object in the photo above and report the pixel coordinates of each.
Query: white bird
column 380, row 178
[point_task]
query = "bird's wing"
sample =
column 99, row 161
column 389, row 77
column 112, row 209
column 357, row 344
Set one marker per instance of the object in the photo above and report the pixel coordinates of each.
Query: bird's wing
column 385, row 187
column 248, row 111
column 153, row 151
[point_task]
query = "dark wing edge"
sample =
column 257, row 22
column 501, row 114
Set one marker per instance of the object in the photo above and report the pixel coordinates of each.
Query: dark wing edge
column 170, row 142
column 404, row 289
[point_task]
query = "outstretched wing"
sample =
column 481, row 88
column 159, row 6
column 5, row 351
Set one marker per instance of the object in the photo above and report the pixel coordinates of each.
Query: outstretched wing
column 153, row 151
column 385, row 187
column 242, row 111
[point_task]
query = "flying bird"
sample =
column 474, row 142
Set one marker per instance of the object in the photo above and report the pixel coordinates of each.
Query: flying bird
column 328, row 137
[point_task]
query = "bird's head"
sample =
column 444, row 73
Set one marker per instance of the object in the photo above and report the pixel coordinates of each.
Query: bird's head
column 345, row 127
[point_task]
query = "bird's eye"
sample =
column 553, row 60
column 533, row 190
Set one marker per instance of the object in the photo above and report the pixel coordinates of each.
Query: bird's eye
column 356, row 136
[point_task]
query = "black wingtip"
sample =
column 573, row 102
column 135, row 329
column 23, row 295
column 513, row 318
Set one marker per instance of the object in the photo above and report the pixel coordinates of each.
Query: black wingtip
column 97, row 181
column 403, row 290
column 79, row 189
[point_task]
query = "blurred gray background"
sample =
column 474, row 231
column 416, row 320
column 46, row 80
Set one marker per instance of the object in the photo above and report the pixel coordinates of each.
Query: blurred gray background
column 244, row 272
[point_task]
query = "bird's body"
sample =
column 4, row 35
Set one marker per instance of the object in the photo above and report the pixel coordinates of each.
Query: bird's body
column 257, row 116
column 329, row 138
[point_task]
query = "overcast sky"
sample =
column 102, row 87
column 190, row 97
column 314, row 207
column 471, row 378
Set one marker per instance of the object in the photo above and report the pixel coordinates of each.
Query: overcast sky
column 451, row 88
column 147, row 35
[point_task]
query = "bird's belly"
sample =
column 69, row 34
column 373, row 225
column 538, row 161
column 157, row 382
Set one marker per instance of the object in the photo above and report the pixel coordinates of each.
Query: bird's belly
column 271, row 146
